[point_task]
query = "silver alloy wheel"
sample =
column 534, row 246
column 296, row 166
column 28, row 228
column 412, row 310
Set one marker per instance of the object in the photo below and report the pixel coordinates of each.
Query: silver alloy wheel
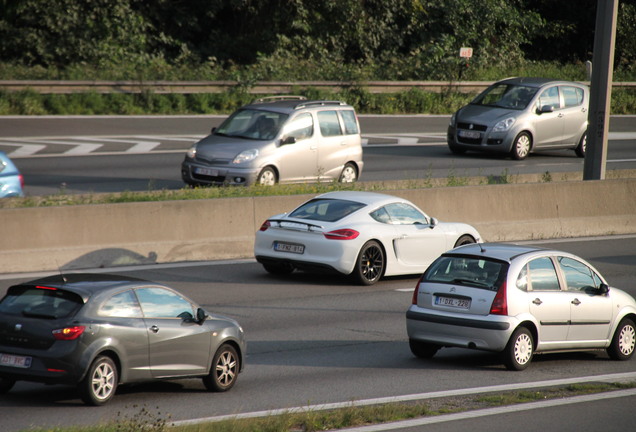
column 267, row 177
column 521, row 146
column 523, row 349
column 103, row 381
column 349, row 174
column 627, row 340
column 226, row 368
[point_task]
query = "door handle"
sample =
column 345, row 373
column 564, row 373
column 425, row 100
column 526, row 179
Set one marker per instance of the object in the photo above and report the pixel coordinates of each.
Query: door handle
column 537, row 301
column 576, row 302
column 154, row 329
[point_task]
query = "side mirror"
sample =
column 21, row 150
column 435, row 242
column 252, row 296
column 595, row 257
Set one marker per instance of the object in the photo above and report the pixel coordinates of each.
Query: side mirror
column 546, row 109
column 201, row 316
column 288, row 140
column 434, row 222
column 603, row 289
column 212, row 130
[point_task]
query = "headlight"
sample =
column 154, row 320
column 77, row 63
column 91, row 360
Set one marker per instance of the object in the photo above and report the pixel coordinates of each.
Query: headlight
column 192, row 152
column 452, row 119
column 245, row 156
column 504, row 125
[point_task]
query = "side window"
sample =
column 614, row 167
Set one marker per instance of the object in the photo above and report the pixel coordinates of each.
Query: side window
column 549, row 97
column 162, row 303
column 578, row 276
column 542, row 275
column 522, row 279
column 329, row 123
column 301, row 127
column 572, row 96
column 123, row 305
column 350, row 123
column 381, row 215
column 404, row 214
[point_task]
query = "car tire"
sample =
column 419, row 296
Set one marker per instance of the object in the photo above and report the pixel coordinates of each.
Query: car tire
column 623, row 342
column 100, row 383
column 6, row 384
column 224, row 371
column 349, row 174
column 422, row 349
column 464, row 240
column 519, row 351
column 267, row 177
column 279, row 269
column 370, row 264
column 521, row 146
column 582, row 147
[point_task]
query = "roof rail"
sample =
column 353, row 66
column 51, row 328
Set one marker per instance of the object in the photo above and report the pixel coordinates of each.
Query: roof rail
column 319, row 102
column 278, row 98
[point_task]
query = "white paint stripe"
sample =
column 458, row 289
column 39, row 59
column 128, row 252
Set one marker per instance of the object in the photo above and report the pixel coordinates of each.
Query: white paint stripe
column 139, row 146
column 78, row 146
column 419, row 396
column 23, row 149
column 171, row 138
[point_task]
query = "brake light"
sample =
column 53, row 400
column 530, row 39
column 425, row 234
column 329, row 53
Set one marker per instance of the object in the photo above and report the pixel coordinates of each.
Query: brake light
column 500, row 303
column 68, row 333
column 265, row 225
column 46, row 288
column 21, row 177
column 417, row 288
column 342, row 234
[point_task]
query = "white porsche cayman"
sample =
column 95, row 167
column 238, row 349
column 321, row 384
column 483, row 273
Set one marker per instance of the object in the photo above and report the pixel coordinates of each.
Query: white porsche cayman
column 363, row 234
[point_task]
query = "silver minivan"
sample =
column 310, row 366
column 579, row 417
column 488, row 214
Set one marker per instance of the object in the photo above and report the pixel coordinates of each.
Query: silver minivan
column 279, row 140
column 518, row 116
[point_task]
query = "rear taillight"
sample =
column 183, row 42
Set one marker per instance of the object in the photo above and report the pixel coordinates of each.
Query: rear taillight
column 265, row 225
column 500, row 303
column 68, row 333
column 46, row 288
column 417, row 288
column 342, row 234
column 21, row 177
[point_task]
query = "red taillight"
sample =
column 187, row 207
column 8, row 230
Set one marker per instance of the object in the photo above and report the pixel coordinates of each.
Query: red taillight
column 46, row 288
column 500, row 303
column 341, row 234
column 265, row 225
column 21, row 180
column 68, row 333
column 417, row 288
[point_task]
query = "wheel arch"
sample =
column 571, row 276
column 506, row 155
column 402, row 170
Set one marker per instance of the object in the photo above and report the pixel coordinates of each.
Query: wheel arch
column 234, row 344
column 532, row 328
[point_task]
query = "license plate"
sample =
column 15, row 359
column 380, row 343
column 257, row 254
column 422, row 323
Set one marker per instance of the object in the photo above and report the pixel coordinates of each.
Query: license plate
column 468, row 134
column 15, row 361
column 206, row 171
column 452, row 302
column 289, row 247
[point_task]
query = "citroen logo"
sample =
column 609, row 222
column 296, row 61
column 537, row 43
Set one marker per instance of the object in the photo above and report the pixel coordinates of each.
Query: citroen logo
column 453, row 289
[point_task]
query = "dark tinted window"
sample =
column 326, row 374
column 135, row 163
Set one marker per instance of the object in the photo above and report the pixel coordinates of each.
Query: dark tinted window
column 40, row 302
column 327, row 210
column 469, row 271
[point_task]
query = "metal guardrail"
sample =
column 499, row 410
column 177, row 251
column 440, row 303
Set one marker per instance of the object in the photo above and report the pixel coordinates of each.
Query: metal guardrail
column 258, row 87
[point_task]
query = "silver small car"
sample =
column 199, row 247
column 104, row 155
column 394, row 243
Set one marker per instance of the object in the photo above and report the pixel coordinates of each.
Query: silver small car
column 518, row 300
column 97, row 331
column 11, row 181
column 518, row 116
column 286, row 140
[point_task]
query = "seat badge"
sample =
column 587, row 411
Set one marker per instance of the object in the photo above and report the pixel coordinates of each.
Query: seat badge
column 18, row 327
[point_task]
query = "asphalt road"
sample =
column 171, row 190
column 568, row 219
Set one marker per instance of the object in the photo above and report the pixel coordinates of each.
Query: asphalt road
column 114, row 154
column 315, row 339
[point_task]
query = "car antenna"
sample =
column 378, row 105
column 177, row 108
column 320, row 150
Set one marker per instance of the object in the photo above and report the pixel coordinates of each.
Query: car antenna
column 481, row 248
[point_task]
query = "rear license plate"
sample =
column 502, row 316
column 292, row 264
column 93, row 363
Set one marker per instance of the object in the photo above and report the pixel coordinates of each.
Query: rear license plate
column 15, row 361
column 452, row 302
column 206, row 171
column 289, row 247
column 468, row 134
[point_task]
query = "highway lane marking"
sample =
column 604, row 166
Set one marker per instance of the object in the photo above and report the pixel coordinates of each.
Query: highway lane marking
column 628, row 376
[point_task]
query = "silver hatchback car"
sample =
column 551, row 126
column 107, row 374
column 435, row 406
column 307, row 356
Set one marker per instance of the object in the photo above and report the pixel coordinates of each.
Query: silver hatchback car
column 286, row 140
column 518, row 300
column 518, row 116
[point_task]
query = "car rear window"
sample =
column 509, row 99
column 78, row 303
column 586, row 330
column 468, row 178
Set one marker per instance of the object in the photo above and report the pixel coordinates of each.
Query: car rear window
column 326, row 210
column 467, row 270
column 40, row 302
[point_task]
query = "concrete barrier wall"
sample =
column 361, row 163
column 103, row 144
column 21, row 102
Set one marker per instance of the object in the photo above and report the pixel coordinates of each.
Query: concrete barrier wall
column 75, row 237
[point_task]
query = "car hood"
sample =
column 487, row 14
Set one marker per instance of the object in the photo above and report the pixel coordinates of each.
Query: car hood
column 225, row 147
column 484, row 114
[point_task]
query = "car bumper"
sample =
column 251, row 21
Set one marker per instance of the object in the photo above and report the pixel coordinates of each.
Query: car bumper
column 497, row 142
column 486, row 333
column 194, row 173
column 52, row 366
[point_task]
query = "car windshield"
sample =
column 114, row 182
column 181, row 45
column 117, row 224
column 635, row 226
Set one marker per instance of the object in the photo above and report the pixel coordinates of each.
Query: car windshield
column 468, row 271
column 252, row 124
column 326, row 210
column 509, row 96
column 40, row 302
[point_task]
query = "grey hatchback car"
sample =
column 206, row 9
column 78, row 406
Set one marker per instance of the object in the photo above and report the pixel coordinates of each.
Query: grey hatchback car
column 518, row 300
column 518, row 116
column 97, row 331
column 279, row 139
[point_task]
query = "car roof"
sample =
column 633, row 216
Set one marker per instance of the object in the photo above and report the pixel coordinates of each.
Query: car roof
column 536, row 81
column 501, row 251
column 290, row 105
column 368, row 198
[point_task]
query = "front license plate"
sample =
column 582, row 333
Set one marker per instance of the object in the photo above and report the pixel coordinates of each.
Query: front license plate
column 289, row 247
column 15, row 361
column 206, row 171
column 468, row 134
column 452, row 302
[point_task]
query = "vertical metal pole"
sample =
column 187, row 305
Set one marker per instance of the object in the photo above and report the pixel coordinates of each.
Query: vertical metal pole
column 600, row 90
